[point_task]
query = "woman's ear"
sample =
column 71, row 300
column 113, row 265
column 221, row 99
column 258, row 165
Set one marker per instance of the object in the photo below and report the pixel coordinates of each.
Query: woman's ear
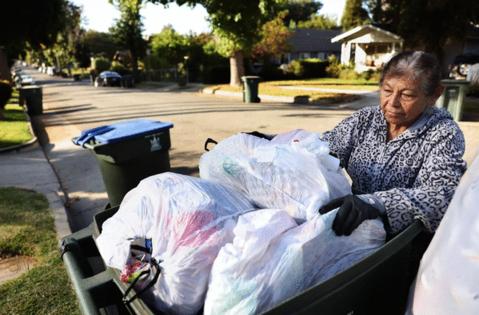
column 437, row 93
column 439, row 90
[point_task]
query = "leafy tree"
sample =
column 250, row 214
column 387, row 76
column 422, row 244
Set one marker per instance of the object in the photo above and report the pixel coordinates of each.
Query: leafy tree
column 169, row 46
column 274, row 38
column 320, row 21
column 62, row 51
column 426, row 24
column 354, row 14
column 237, row 25
column 34, row 22
column 300, row 10
column 128, row 29
column 100, row 43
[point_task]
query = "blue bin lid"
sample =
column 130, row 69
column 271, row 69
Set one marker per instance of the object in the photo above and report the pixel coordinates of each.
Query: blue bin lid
column 121, row 131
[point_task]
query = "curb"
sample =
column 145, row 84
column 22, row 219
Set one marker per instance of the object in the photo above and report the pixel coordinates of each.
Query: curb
column 282, row 99
column 56, row 199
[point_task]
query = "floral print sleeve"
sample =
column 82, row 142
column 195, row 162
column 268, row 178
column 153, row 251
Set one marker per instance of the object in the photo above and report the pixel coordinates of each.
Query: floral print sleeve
column 429, row 196
column 412, row 176
column 342, row 138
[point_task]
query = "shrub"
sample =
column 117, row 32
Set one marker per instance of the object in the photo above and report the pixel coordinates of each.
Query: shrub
column 271, row 72
column 120, row 68
column 101, row 64
column 314, row 68
column 216, row 74
column 5, row 93
column 334, row 67
column 307, row 68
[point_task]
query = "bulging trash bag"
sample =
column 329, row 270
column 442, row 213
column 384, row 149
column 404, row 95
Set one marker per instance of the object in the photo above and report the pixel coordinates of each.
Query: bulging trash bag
column 448, row 278
column 272, row 259
column 294, row 171
column 187, row 220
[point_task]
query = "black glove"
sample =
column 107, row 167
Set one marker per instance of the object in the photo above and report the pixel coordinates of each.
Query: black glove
column 260, row 135
column 352, row 212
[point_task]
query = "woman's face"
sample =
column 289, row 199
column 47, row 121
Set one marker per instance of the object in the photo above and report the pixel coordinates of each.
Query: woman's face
column 402, row 100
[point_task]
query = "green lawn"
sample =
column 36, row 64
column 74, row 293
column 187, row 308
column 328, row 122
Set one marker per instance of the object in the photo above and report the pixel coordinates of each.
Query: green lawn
column 330, row 83
column 14, row 128
column 27, row 229
column 266, row 88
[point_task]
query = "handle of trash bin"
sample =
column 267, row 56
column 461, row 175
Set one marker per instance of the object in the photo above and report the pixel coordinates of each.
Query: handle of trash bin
column 208, row 141
column 85, row 140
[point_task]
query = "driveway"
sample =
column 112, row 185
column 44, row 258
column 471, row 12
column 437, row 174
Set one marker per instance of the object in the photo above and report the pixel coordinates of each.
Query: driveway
column 70, row 107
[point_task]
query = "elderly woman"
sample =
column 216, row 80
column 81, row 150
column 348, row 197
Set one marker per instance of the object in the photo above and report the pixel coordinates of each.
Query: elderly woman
column 404, row 156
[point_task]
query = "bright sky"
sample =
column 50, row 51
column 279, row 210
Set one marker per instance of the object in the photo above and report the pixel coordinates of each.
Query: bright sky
column 100, row 15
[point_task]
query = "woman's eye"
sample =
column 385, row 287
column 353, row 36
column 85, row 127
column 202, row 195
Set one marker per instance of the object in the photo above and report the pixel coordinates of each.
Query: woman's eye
column 407, row 96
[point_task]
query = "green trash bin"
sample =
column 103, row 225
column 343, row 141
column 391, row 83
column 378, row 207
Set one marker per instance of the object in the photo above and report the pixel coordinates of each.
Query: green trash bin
column 452, row 98
column 378, row 284
column 250, row 89
column 128, row 152
column 32, row 96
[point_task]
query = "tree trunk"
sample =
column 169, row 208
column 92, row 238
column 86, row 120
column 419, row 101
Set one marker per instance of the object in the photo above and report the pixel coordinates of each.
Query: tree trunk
column 236, row 68
column 4, row 68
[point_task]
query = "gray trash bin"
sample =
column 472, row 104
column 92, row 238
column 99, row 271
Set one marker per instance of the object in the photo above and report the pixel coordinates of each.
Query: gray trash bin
column 250, row 89
column 452, row 98
column 32, row 95
column 128, row 152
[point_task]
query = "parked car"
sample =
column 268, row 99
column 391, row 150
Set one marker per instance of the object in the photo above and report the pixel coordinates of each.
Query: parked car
column 108, row 78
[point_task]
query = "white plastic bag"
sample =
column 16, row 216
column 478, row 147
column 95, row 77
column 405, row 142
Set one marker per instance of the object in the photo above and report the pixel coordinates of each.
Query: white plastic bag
column 294, row 171
column 188, row 220
column 271, row 259
column 448, row 278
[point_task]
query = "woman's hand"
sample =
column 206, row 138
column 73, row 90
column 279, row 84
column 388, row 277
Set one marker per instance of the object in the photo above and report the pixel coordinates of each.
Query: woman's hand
column 352, row 212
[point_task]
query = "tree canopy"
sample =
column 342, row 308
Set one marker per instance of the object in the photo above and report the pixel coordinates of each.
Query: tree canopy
column 29, row 21
column 426, row 24
column 237, row 25
column 318, row 21
column 354, row 14
column 128, row 28
column 300, row 10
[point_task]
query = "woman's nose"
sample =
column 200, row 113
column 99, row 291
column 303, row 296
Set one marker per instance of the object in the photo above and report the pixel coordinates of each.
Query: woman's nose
column 395, row 99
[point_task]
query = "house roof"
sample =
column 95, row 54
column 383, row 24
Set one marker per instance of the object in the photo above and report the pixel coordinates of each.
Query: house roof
column 314, row 40
column 363, row 30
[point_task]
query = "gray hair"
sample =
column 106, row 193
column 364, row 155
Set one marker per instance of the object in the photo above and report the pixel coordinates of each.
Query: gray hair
column 418, row 63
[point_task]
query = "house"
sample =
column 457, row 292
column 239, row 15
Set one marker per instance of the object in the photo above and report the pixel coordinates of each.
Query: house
column 312, row 43
column 368, row 47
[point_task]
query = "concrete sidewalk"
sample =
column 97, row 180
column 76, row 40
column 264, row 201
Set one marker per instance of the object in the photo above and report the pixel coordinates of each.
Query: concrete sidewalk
column 29, row 168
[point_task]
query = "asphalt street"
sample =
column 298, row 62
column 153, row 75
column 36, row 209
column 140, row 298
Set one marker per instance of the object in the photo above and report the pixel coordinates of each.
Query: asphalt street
column 70, row 107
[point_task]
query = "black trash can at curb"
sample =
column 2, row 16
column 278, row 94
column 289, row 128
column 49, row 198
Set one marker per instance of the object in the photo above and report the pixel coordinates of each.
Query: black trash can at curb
column 452, row 98
column 127, row 81
column 32, row 96
column 250, row 89
column 128, row 152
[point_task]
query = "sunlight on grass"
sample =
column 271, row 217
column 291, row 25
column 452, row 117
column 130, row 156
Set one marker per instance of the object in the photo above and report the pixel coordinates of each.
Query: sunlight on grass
column 14, row 128
column 314, row 97
column 27, row 229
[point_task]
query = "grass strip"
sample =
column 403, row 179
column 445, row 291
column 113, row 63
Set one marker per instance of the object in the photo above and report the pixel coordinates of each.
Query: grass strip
column 27, row 229
column 14, row 128
column 322, row 98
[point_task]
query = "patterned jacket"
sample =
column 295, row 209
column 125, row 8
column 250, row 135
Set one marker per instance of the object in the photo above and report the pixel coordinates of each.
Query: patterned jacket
column 412, row 176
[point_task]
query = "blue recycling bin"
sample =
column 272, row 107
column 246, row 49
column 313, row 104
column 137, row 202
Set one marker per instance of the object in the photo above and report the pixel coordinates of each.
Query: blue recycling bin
column 128, row 152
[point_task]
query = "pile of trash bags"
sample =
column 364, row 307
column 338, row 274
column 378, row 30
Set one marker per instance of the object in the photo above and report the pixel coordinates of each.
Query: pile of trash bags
column 293, row 171
column 245, row 236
